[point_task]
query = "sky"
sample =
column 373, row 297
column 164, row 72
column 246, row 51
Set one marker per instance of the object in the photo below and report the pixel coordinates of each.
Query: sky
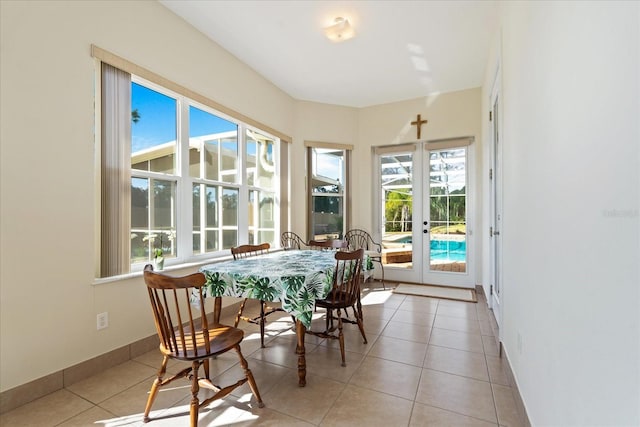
column 157, row 123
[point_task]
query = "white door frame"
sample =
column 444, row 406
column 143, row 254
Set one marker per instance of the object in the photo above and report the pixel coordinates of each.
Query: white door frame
column 419, row 272
column 496, row 289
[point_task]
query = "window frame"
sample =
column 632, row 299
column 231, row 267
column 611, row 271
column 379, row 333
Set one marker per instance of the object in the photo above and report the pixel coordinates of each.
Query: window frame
column 347, row 149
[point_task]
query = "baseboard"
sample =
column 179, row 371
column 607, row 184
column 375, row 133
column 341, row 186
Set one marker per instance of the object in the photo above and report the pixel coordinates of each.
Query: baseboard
column 517, row 397
column 25, row 393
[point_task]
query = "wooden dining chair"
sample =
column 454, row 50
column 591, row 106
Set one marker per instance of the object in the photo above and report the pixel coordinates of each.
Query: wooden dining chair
column 361, row 239
column 345, row 293
column 246, row 251
column 186, row 335
column 290, row 240
column 328, row 244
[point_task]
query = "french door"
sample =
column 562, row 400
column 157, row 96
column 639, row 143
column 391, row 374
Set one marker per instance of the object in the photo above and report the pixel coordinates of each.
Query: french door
column 425, row 214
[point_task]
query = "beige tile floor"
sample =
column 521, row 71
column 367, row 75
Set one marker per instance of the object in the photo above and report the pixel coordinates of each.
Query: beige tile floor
column 428, row 362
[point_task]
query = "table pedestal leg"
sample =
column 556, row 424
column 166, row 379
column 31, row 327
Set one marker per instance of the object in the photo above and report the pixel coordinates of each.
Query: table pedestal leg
column 217, row 308
column 302, row 363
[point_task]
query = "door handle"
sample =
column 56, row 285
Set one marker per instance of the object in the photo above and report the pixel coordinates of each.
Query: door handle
column 496, row 233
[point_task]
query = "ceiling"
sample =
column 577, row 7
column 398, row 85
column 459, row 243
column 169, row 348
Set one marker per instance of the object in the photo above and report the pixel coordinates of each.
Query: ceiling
column 402, row 49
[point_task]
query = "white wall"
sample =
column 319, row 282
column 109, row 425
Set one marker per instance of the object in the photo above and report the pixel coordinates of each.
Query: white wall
column 571, row 224
column 48, row 301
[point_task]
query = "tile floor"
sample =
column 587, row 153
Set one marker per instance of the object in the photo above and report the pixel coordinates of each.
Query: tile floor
column 427, row 362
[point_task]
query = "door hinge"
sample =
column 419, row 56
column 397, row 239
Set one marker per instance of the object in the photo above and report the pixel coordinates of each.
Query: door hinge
column 490, row 115
column 491, row 290
column 490, row 173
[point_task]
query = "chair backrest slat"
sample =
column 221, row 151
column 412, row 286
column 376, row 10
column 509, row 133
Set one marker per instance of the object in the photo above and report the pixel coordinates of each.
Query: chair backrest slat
column 203, row 319
column 245, row 251
column 167, row 321
column 180, row 325
column 160, row 318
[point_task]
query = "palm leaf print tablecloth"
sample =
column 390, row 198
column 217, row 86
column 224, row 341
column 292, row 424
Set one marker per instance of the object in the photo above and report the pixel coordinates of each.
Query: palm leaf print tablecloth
column 296, row 278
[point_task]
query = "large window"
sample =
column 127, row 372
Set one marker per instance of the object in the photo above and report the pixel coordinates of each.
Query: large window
column 199, row 182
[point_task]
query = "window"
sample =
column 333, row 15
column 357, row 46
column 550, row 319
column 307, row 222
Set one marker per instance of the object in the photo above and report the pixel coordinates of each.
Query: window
column 213, row 167
column 328, row 186
column 154, row 176
column 200, row 182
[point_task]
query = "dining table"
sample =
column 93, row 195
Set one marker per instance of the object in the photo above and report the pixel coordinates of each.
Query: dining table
column 296, row 278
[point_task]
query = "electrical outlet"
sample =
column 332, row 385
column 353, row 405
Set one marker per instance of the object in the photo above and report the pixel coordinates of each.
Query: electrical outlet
column 103, row 320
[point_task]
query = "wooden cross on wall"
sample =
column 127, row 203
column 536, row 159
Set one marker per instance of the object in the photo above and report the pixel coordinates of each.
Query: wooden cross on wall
column 419, row 124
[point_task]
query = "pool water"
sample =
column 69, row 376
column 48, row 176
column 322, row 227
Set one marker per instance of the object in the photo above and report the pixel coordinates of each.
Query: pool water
column 448, row 250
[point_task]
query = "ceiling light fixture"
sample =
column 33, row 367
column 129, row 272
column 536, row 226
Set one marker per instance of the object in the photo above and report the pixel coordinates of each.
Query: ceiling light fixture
column 341, row 30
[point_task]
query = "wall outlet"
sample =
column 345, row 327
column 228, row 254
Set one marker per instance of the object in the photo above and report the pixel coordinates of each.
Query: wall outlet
column 103, row 320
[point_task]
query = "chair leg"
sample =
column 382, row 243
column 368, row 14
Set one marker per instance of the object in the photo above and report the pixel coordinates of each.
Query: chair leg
column 341, row 339
column 205, row 362
column 262, row 321
column 249, row 375
column 382, row 269
column 360, row 319
column 195, row 388
column 328, row 321
column 154, row 388
column 240, row 310
column 361, row 327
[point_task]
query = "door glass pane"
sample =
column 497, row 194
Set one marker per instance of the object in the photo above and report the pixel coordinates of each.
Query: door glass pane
column 397, row 195
column 447, row 209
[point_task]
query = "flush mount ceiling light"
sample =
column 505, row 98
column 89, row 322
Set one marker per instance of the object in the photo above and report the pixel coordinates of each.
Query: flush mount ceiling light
column 341, row 30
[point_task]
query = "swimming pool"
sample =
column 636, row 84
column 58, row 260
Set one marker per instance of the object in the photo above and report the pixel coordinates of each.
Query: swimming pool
column 448, row 250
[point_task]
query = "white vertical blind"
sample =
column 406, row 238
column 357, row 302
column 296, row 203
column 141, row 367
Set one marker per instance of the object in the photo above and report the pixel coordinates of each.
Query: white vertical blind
column 115, row 242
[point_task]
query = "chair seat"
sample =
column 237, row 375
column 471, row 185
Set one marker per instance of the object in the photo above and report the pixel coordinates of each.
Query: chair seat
column 336, row 299
column 222, row 338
